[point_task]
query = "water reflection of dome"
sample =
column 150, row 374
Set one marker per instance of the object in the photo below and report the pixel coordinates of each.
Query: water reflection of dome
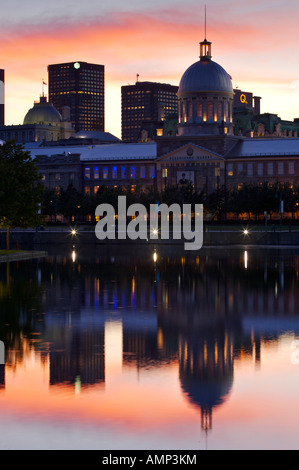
column 43, row 113
column 206, row 370
column 207, row 394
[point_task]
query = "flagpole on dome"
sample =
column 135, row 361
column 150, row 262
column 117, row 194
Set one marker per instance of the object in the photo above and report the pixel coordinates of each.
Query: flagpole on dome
column 43, row 90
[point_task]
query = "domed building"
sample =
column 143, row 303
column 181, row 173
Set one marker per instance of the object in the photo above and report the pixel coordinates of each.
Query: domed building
column 43, row 113
column 205, row 97
column 196, row 155
column 42, row 123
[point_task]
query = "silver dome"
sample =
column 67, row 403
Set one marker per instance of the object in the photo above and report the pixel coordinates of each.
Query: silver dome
column 43, row 113
column 205, row 75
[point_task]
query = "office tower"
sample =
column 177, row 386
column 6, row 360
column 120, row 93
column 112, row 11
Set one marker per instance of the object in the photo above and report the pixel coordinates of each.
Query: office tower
column 2, row 97
column 80, row 86
column 145, row 102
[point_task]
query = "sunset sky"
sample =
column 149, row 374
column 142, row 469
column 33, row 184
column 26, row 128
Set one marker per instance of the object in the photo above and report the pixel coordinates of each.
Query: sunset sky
column 256, row 42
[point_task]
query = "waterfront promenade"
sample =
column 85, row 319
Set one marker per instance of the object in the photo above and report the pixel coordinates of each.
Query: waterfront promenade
column 212, row 236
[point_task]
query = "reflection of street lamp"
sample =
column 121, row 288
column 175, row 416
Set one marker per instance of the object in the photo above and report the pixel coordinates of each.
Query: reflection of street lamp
column 245, row 259
column 281, row 204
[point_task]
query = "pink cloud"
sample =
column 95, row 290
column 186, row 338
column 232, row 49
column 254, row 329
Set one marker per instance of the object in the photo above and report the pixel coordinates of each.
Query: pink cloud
column 158, row 45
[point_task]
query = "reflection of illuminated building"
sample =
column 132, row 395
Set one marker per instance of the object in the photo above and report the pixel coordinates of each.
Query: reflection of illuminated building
column 81, row 359
column 143, row 341
column 206, row 371
column 2, row 376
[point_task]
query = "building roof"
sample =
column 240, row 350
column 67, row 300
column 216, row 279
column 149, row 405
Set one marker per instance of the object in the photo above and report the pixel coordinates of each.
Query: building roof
column 205, row 76
column 265, row 147
column 96, row 135
column 104, row 152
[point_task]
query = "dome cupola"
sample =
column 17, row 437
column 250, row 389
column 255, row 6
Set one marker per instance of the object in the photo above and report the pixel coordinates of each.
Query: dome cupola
column 43, row 113
column 205, row 97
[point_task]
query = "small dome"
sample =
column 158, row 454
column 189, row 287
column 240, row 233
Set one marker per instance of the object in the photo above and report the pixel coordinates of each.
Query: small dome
column 43, row 113
column 205, row 75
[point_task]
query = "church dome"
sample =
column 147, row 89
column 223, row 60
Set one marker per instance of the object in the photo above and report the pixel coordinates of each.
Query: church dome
column 43, row 113
column 205, row 76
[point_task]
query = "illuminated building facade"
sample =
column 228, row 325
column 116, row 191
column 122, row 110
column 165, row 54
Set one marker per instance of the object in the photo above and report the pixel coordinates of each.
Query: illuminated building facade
column 205, row 151
column 88, row 168
column 144, row 103
column 81, row 87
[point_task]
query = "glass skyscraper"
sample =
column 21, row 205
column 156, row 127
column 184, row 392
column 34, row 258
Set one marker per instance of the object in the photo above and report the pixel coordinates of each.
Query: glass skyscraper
column 145, row 102
column 81, row 87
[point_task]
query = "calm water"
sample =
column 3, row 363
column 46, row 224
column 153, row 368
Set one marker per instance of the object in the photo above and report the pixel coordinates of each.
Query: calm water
column 112, row 350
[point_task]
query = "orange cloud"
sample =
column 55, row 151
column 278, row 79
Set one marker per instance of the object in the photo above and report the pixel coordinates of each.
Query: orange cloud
column 157, row 45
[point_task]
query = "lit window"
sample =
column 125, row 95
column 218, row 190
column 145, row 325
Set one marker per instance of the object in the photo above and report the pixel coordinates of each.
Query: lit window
column 124, row 172
column 230, row 171
column 114, row 172
column 152, row 171
column 164, row 172
column 133, row 172
column 105, row 173
column 96, row 174
column 159, row 132
column 96, row 188
column 87, row 173
column 87, row 190
column 225, row 111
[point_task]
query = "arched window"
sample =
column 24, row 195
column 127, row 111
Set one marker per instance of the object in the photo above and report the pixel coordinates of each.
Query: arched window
column 199, row 108
column 185, row 111
column 219, row 110
column 210, row 109
column 225, row 116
